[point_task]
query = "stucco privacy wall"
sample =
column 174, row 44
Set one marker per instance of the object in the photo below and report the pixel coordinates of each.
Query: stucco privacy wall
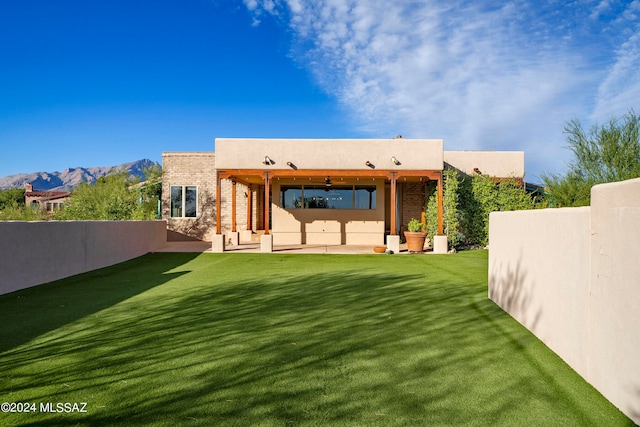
column 32, row 253
column 572, row 277
column 614, row 344
column 538, row 273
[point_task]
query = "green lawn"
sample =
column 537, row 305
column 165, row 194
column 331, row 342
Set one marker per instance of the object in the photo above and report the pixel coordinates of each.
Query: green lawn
column 253, row 339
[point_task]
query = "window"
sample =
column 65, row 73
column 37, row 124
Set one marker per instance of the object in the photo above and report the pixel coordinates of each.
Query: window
column 184, row 201
column 365, row 197
column 290, row 197
column 335, row 197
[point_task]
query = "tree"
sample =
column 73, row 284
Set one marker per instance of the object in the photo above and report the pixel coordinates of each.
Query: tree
column 150, row 190
column 110, row 198
column 12, row 197
column 606, row 153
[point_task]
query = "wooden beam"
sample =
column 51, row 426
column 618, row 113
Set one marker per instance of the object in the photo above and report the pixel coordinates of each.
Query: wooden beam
column 242, row 175
column 218, row 204
column 234, row 227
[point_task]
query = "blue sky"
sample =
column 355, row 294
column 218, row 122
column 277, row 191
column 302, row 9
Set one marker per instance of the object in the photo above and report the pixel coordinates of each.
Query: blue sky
column 98, row 83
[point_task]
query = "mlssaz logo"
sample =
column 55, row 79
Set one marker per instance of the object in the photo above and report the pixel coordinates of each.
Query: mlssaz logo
column 66, row 407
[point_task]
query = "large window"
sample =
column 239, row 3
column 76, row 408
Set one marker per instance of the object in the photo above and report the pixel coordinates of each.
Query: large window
column 184, row 201
column 335, row 197
column 291, row 197
column 365, row 197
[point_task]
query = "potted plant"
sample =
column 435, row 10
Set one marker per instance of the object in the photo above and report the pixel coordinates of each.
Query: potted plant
column 416, row 235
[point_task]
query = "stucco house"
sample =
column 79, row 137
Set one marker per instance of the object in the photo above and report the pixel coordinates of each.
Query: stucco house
column 313, row 191
column 45, row 200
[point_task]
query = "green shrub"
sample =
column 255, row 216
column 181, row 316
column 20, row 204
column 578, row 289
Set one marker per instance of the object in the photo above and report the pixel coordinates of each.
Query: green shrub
column 451, row 217
column 109, row 198
column 467, row 203
column 14, row 212
column 415, row 226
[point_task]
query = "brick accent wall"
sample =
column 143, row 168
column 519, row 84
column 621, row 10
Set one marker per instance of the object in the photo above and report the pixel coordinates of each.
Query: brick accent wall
column 412, row 202
column 198, row 168
column 195, row 168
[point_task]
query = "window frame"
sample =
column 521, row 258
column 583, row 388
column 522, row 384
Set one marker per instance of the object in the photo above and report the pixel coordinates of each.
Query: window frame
column 303, row 203
column 185, row 203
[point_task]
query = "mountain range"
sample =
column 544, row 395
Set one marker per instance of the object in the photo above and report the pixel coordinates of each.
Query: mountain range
column 69, row 178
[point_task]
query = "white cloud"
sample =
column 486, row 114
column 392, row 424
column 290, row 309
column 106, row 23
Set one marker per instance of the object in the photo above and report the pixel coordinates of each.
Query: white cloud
column 483, row 77
column 252, row 5
column 620, row 89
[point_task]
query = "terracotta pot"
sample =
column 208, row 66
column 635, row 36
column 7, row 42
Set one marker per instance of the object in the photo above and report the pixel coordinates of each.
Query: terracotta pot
column 415, row 240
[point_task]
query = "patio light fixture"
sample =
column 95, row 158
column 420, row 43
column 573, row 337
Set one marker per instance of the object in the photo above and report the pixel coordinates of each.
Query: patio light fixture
column 371, row 165
column 327, row 184
column 267, row 160
column 395, row 161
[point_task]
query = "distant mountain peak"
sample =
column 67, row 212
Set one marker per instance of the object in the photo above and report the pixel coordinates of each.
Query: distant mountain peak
column 71, row 177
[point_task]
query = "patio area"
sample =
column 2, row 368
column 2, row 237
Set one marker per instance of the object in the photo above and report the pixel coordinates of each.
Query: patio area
column 254, row 247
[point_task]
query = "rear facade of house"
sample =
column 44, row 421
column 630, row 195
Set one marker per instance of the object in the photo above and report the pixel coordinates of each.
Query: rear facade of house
column 313, row 191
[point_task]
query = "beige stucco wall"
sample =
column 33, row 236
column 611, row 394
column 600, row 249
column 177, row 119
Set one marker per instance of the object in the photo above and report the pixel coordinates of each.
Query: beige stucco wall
column 572, row 277
column 500, row 164
column 539, row 273
column 39, row 252
column 614, row 345
column 314, row 154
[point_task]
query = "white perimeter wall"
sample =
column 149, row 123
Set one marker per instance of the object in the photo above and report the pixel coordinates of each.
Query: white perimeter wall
column 572, row 277
column 32, row 253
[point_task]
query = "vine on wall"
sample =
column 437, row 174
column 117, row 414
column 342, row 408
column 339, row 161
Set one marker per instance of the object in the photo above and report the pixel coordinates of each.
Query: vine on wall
column 467, row 202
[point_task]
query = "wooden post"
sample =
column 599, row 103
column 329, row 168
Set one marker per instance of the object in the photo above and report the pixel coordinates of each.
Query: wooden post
column 440, row 215
column 218, row 203
column 249, row 207
column 267, row 205
column 423, row 214
column 393, row 205
column 233, row 207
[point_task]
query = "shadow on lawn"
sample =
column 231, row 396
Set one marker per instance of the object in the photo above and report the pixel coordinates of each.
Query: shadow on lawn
column 64, row 301
column 338, row 346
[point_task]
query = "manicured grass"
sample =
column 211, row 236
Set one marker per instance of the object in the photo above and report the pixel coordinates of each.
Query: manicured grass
column 241, row 339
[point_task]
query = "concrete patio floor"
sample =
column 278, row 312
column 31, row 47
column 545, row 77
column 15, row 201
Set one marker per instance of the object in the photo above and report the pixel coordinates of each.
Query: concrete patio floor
column 199, row 246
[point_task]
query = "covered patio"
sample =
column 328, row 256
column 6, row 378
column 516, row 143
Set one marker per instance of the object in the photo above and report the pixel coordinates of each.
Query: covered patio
column 198, row 246
column 324, row 192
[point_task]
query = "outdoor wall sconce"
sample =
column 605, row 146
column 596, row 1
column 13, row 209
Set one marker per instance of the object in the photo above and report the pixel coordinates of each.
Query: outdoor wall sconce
column 395, row 161
column 371, row 165
column 268, row 161
column 476, row 170
column 327, row 184
column 292, row 166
